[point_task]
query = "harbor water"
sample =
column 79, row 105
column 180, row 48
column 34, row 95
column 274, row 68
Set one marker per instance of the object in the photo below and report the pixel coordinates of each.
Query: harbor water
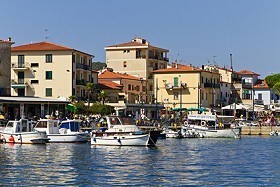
column 249, row 161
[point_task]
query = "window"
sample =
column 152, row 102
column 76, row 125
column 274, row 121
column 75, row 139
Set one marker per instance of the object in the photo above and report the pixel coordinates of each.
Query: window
column 129, row 87
column 21, row 61
column 124, row 64
column 48, row 58
column 48, row 75
column 259, row 96
column 176, row 95
column 48, row 92
column 34, row 65
column 34, row 81
column 201, row 80
column 175, row 81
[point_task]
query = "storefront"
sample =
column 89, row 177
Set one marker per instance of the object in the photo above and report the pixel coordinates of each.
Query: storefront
column 18, row 107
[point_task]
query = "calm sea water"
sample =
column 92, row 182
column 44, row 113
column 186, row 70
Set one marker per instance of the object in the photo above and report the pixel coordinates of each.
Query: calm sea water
column 249, row 161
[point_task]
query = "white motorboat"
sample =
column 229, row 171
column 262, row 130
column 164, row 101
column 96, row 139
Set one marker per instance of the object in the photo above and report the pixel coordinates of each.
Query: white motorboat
column 170, row 133
column 274, row 133
column 122, row 131
column 209, row 126
column 67, row 131
column 22, row 132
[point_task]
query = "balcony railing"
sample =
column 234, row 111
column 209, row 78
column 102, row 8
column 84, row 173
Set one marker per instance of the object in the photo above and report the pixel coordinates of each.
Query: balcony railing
column 81, row 82
column 83, row 66
column 211, row 85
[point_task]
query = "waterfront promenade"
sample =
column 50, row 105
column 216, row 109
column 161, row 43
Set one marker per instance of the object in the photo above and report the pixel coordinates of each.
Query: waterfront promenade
column 246, row 130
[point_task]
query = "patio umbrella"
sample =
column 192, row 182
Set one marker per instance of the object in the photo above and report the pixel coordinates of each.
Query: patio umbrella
column 72, row 108
column 1, row 116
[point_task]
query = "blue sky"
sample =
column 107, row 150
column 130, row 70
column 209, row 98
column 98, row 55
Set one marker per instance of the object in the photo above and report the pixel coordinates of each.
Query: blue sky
column 194, row 31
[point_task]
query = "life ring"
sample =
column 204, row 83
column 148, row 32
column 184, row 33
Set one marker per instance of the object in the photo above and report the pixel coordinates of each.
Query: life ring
column 203, row 123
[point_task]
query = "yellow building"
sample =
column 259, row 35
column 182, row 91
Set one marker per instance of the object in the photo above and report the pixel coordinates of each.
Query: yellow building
column 46, row 69
column 137, row 58
column 186, row 86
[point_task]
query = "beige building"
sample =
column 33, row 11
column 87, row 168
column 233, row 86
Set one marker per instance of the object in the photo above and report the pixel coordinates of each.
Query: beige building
column 186, row 86
column 137, row 58
column 5, row 67
column 46, row 69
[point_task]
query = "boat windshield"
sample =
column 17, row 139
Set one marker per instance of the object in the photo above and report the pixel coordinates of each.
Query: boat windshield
column 41, row 124
column 127, row 121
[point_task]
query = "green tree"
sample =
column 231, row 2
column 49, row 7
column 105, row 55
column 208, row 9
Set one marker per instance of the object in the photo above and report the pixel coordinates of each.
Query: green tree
column 103, row 97
column 273, row 81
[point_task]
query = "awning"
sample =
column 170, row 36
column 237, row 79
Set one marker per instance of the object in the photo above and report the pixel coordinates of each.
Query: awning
column 179, row 109
column 18, row 85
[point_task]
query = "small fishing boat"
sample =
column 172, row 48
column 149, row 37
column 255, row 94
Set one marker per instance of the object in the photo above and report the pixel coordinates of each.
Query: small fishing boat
column 21, row 132
column 170, row 133
column 122, row 131
column 68, row 131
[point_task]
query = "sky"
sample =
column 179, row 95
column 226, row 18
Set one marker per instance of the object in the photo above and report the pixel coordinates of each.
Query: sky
column 197, row 32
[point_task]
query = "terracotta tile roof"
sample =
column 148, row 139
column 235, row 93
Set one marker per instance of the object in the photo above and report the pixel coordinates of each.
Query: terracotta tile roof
column 41, row 46
column 44, row 46
column 115, row 75
column 247, row 72
column 106, row 84
column 178, row 68
column 261, row 84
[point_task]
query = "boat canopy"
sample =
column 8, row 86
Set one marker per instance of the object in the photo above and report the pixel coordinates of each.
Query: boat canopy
column 72, row 125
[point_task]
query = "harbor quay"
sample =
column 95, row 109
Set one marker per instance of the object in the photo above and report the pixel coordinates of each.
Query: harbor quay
column 246, row 130
column 259, row 130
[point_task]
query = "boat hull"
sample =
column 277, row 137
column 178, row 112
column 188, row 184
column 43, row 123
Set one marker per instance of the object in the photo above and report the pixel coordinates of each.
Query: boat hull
column 125, row 139
column 216, row 133
column 25, row 138
column 69, row 138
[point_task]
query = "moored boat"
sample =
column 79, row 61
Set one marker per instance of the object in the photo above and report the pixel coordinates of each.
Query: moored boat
column 209, row 126
column 122, row 131
column 67, row 131
column 22, row 132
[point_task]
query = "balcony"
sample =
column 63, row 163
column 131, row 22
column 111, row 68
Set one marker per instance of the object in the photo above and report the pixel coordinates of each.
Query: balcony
column 83, row 66
column 19, row 83
column 247, row 85
column 21, row 66
column 210, row 85
column 81, row 82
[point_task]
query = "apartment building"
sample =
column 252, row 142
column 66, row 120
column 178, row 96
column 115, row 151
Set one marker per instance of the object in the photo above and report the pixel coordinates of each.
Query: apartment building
column 132, row 98
column 187, row 86
column 137, row 58
column 47, row 69
column 5, row 67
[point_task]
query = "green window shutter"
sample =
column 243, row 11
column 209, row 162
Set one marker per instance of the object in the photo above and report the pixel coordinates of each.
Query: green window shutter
column 48, row 75
column 48, row 92
column 176, row 84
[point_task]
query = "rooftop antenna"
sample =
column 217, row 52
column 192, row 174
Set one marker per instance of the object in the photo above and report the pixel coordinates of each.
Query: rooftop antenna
column 231, row 62
column 46, row 34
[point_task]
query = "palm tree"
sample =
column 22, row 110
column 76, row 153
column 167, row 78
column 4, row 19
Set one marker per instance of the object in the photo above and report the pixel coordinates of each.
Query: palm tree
column 89, row 90
column 72, row 98
column 103, row 96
